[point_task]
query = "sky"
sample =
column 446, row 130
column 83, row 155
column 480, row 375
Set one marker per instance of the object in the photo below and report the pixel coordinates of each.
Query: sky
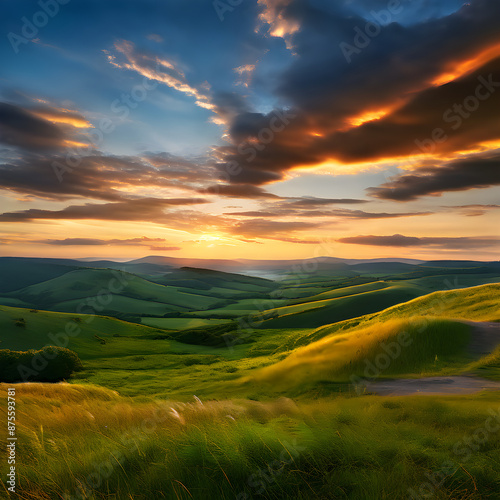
column 258, row 129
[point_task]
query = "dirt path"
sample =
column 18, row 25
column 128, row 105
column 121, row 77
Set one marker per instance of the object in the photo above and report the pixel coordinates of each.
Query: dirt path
column 432, row 385
column 485, row 337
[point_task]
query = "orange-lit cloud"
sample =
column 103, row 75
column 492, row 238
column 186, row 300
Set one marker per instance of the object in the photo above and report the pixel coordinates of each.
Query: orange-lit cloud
column 460, row 69
column 476, row 171
column 279, row 25
column 367, row 116
column 157, row 69
column 64, row 116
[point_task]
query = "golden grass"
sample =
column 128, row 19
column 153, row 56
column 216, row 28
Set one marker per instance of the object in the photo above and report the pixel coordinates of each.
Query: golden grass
column 339, row 356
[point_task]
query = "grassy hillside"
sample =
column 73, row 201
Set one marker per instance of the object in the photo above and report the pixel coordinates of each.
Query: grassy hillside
column 22, row 329
column 437, row 341
column 136, row 358
column 181, row 323
column 405, row 346
column 480, row 303
column 128, row 422
column 16, row 274
column 129, row 296
column 191, row 277
column 336, row 304
column 300, row 299
column 111, row 291
column 320, row 312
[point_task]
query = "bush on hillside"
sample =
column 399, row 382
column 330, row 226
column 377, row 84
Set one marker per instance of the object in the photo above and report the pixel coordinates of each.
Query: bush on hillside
column 213, row 336
column 50, row 364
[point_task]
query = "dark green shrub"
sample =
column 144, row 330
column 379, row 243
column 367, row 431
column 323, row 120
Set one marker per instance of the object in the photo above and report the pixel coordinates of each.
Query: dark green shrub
column 49, row 364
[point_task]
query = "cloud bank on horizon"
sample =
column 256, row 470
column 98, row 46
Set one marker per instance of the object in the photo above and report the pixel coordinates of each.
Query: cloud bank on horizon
column 264, row 128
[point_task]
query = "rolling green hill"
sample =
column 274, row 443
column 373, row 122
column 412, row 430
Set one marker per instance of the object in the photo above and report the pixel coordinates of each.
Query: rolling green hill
column 331, row 441
column 107, row 291
column 320, row 312
column 341, row 301
column 205, row 279
column 479, row 303
column 435, row 336
column 16, row 274
column 135, row 358
column 23, row 329
column 414, row 349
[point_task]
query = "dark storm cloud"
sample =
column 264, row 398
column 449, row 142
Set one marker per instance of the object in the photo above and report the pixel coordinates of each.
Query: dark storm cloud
column 144, row 209
column 394, row 71
column 398, row 240
column 35, row 175
column 396, row 61
column 479, row 172
column 229, row 104
column 44, row 156
column 316, row 94
column 265, row 146
column 100, row 176
column 237, row 191
column 317, row 207
column 32, row 124
column 337, row 213
column 448, row 118
column 20, row 128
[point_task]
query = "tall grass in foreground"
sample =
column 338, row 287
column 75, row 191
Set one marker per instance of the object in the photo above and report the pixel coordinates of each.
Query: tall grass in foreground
column 88, row 442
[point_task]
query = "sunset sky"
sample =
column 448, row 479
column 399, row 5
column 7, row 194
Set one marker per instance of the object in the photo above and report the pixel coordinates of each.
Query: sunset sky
column 266, row 129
